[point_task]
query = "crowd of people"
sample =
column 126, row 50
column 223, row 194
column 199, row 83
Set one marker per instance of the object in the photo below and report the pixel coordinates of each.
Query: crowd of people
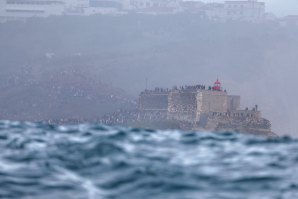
column 157, row 90
column 182, row 88
column 193, row 87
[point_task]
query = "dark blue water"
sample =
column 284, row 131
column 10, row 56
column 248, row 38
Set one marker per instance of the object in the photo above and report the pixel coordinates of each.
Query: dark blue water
column 97, row 162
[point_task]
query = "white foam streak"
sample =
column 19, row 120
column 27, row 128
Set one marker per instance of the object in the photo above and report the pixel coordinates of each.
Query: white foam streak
column 92, row 190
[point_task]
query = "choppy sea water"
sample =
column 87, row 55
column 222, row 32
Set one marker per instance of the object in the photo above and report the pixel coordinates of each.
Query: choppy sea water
column 99, row 162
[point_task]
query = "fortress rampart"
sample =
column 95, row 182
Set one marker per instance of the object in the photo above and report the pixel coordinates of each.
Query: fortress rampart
column 189, row 105
column 197, row 108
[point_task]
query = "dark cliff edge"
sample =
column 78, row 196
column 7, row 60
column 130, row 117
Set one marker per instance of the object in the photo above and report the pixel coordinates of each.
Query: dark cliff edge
column 260, row 127
column 244, row 125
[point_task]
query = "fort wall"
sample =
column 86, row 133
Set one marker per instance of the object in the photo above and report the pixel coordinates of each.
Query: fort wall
column 188, row 105
column 182, row 105
column 233, row 102
column 195, row 108
column 153, row 101
column 213, row 101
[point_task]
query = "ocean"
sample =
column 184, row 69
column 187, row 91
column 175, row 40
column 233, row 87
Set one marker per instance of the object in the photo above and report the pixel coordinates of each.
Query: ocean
column 90, row 161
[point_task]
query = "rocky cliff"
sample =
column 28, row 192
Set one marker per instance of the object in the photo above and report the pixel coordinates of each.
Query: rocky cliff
column 245, row 125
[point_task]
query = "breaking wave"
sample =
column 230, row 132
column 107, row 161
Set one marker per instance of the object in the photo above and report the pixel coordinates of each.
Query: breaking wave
column 99, row 162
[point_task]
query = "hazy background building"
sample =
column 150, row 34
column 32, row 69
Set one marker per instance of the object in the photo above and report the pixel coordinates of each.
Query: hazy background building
column 21, row 9
column 246, row 10
column 250, row 10
column 2, row 10
column 153, row 6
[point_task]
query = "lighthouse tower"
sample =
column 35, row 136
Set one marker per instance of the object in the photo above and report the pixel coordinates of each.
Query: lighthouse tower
column 217, row 86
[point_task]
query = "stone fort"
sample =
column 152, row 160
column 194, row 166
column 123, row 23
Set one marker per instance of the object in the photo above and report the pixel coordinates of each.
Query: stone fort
column 199, row 107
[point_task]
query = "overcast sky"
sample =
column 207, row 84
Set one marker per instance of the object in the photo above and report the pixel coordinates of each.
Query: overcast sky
column 279, row 7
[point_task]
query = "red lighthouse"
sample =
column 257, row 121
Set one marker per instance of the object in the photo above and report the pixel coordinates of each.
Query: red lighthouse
column 217, row 86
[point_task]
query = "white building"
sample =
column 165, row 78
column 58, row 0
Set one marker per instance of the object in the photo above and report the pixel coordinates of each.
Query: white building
column 76, row 7
column 22, row 9
column 2, row 10
column 192, row 6
column 2, row 7
column 215, row 11
column 248, row 10
column 153, row 6
column 117, row 4
column 109, row 7
column 245, row 10
column 237, row 10
column 76, row 3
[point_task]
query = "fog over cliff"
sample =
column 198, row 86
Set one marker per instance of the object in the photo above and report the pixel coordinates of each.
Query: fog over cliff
column 73, row 66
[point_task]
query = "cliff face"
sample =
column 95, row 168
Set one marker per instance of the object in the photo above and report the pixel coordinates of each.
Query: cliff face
column 247, row 125
column 259, row 128
column 158, row 120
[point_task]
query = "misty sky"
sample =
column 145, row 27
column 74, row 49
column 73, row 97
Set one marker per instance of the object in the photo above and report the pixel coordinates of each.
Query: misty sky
column 279, row 7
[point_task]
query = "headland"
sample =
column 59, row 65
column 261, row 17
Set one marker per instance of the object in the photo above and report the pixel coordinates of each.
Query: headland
column 193, row 108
